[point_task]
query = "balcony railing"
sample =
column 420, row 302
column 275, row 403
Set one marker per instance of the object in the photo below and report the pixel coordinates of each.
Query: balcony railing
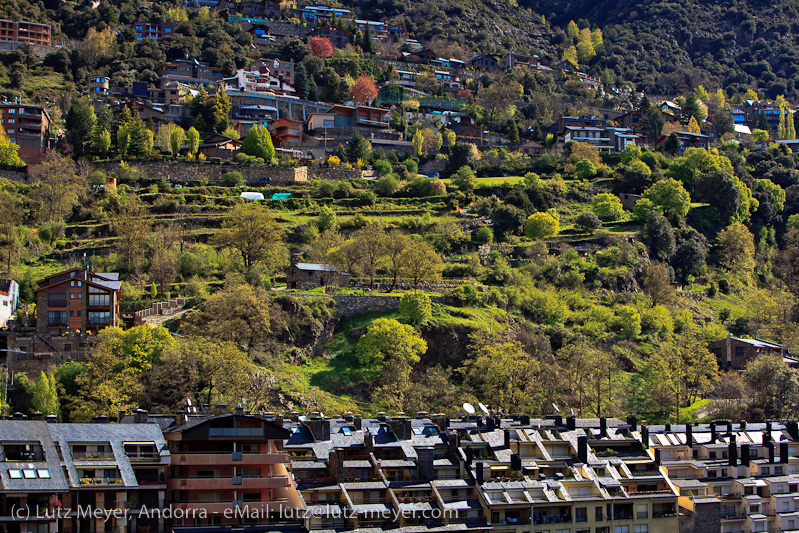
column 93, row 456
column 87, row 481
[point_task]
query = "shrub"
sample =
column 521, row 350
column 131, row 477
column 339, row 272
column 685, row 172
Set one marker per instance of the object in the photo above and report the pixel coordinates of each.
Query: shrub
column 233, row 179
column 482, row 235
column 367, row 198
column 382, row 166
column 588, row 222
column 416, row 308
column 541, row 226
column 412, row 166
column 387, row 185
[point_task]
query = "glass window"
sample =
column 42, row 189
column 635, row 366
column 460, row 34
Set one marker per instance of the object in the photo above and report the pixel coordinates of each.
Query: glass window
column 29, row 474
column 56, row 317
column 15, row 474
column 43, row 474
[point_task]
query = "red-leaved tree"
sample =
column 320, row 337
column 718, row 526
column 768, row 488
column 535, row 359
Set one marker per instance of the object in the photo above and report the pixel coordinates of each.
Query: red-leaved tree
column 364, row 90
column 321, row 47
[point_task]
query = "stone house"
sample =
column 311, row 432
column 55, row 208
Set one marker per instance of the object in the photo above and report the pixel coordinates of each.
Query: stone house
column 735, row 353
column 304, row 276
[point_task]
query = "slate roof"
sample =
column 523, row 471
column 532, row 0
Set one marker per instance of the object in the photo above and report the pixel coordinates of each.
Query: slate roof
column 23, row 431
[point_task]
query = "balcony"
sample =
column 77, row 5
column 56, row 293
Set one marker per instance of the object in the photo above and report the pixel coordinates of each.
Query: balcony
column 229, row 458
column 99, row 481
column 222, row 483
column 144, row 458
column 372, row 123
column 93, row 456
column 220, row 507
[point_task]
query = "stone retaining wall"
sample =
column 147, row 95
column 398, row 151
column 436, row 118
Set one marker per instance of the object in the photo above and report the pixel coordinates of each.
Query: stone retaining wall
column 327, row 173
column 14, row 175
column 348, row 306
column 187, row 171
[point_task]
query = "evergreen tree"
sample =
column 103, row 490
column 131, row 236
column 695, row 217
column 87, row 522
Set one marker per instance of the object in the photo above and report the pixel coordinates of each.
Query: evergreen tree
column 258, row 143
column 790, row 126
column 782, row 133
column 79, row 121
column 366, row 44
column 513, row 132
column 301, row 81
column 358, row 148
column 312, row 89
column 762, row 122
column 193, row 138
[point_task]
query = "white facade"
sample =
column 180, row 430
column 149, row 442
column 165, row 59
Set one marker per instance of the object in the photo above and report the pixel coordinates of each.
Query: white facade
column 9, row 300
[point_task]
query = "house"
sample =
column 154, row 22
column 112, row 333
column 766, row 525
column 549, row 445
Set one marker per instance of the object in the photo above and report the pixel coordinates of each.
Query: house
column 261, row 36
column 145, row 110
column 239, row 459
column 628, row 200
column 735, row 353
column 511, row 59
column 670, row 108
column 530, row 147
column 286, row 132
column 598, row 137
column 367, row 119
column 255, row 82
column 467, row 131
column 321, row 121
column 153, row 30
column 9, row 300
column 18, row 31
column 377, row 30
column 743, row 132
column 77, row 299
column 338, row 36
column 689, row 140
column 305, row 276
column 485, row 62
column 29, row 127
column 220, row 146
column 189, row 71
column 99, row 86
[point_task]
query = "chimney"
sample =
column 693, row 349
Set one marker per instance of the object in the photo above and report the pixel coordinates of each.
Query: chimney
column 439, row 420
column 335, row 464
column 357, row 422
column 490, row 424
column 426, row 468
column 141, row 416
column 101, row 419
column 558, row 420
column 768, row 425
column 657, row 457
column 220, row 409
column 515, row 462
column 381, row 417
column 507, row 439
column 19, row 416
column 469, row 455
column 603, row 427
column 745, row 454
column 689, row 434
column 368, row 441
column 295, row 416
column 52, row 419
column 712, row 432
column 206, row 408
column 422, row 414
column 771, row 453
column 36, row 416
column 453, row 444
column 239, row 409
column 784, row 452
column 525, row 420
column 732, row 453
column 348, row 417
column 480, row 474
column 793, row 429
column 668, row 427
column 180, row 418
column 582, row 449
column 319, row 426
column 571, row 422
column 632, row 421
column 402, row 427
column 295, row 258
column 645, row 436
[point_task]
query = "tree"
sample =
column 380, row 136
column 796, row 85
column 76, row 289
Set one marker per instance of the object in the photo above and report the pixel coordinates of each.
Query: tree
column 629, row 321
column 123, row 140
column 176, row 139
column 513, row 132
column 364, row 91
column 693, row 107
column 670, row 197
column 658, row 236
column 233, row 179
column 9, row 152
column 327, row 220
column 504, row 376
column 102, row 142
column 737, row 248
column 301, row 81
column 193, row 139
column 541, row 226
column 221, row 109
column 499, row 100
column 607, row 206
column 59, row 185
column 585, row 169
column 671, row 144
column 686, row 368
column 131, row 224
column 163, row 269
column 507, row 220
column 358, row 148
column 464, row 179
column 657, row 284
column 652, row 123
column 394, row 348
column 693, row 126
column 720, row 190
column 416, row 308
column 44, row 394
column 258, row 143
column 775, row 386
column 252, row 231
column 420, row 262
column 759, row 136
column 79, row 121
column 724, row 122
column 418, row 140
column 238, row 314
column 588, row 222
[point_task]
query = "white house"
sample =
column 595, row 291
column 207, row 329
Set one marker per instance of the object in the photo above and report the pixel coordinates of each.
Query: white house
column 9, row 300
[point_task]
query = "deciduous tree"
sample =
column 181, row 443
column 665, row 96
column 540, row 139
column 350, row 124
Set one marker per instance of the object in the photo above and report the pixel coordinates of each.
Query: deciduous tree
column 252, row 231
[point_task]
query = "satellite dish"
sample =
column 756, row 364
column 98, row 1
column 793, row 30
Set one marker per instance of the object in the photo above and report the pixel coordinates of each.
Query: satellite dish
column 469, row 408
column 556, row 408
column 483, row 408
column 188, row 401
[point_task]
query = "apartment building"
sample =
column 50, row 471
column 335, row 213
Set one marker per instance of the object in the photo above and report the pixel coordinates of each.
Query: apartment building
column 88, row 478
column 78, row 299
column 29, row 127
column 741, row 477
column 233, row 467
column 24, row 32
column 189, row 71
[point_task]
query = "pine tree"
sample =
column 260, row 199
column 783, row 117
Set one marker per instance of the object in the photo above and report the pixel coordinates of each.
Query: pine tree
column 301, row 81
column 513, row 132
column 693, row 125
column 193, row 138
column 366, row 45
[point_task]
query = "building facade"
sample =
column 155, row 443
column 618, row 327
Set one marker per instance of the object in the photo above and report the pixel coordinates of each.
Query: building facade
column 24, row 32
column 29, row 127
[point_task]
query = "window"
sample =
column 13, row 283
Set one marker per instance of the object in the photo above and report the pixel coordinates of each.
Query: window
column 15, row 474
column 641, row 529
column 12, row 111
column 11, row 121
column 55, row 318
column 642, row 511
column 785, row 507
column 100, row 299
column 72, row 283
column 621, row 529
column 581, row 514
column 99, row 317
column 57, row 299
column 29, row 474
column 766, row 471
column 597, row 514
column 777, row 470
column 43, row 474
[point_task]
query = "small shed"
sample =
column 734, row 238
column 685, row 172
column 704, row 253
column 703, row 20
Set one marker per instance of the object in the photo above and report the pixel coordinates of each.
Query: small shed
column 304, row 276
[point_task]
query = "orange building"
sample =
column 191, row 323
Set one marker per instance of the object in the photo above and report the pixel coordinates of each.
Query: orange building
column 29, row 127
column 24, row 32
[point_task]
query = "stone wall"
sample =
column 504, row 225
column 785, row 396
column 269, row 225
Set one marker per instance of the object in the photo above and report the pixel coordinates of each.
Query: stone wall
column 348, row 305
column 327, row 173
column 13, row 175
column 186, row 171
column 407, row 284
